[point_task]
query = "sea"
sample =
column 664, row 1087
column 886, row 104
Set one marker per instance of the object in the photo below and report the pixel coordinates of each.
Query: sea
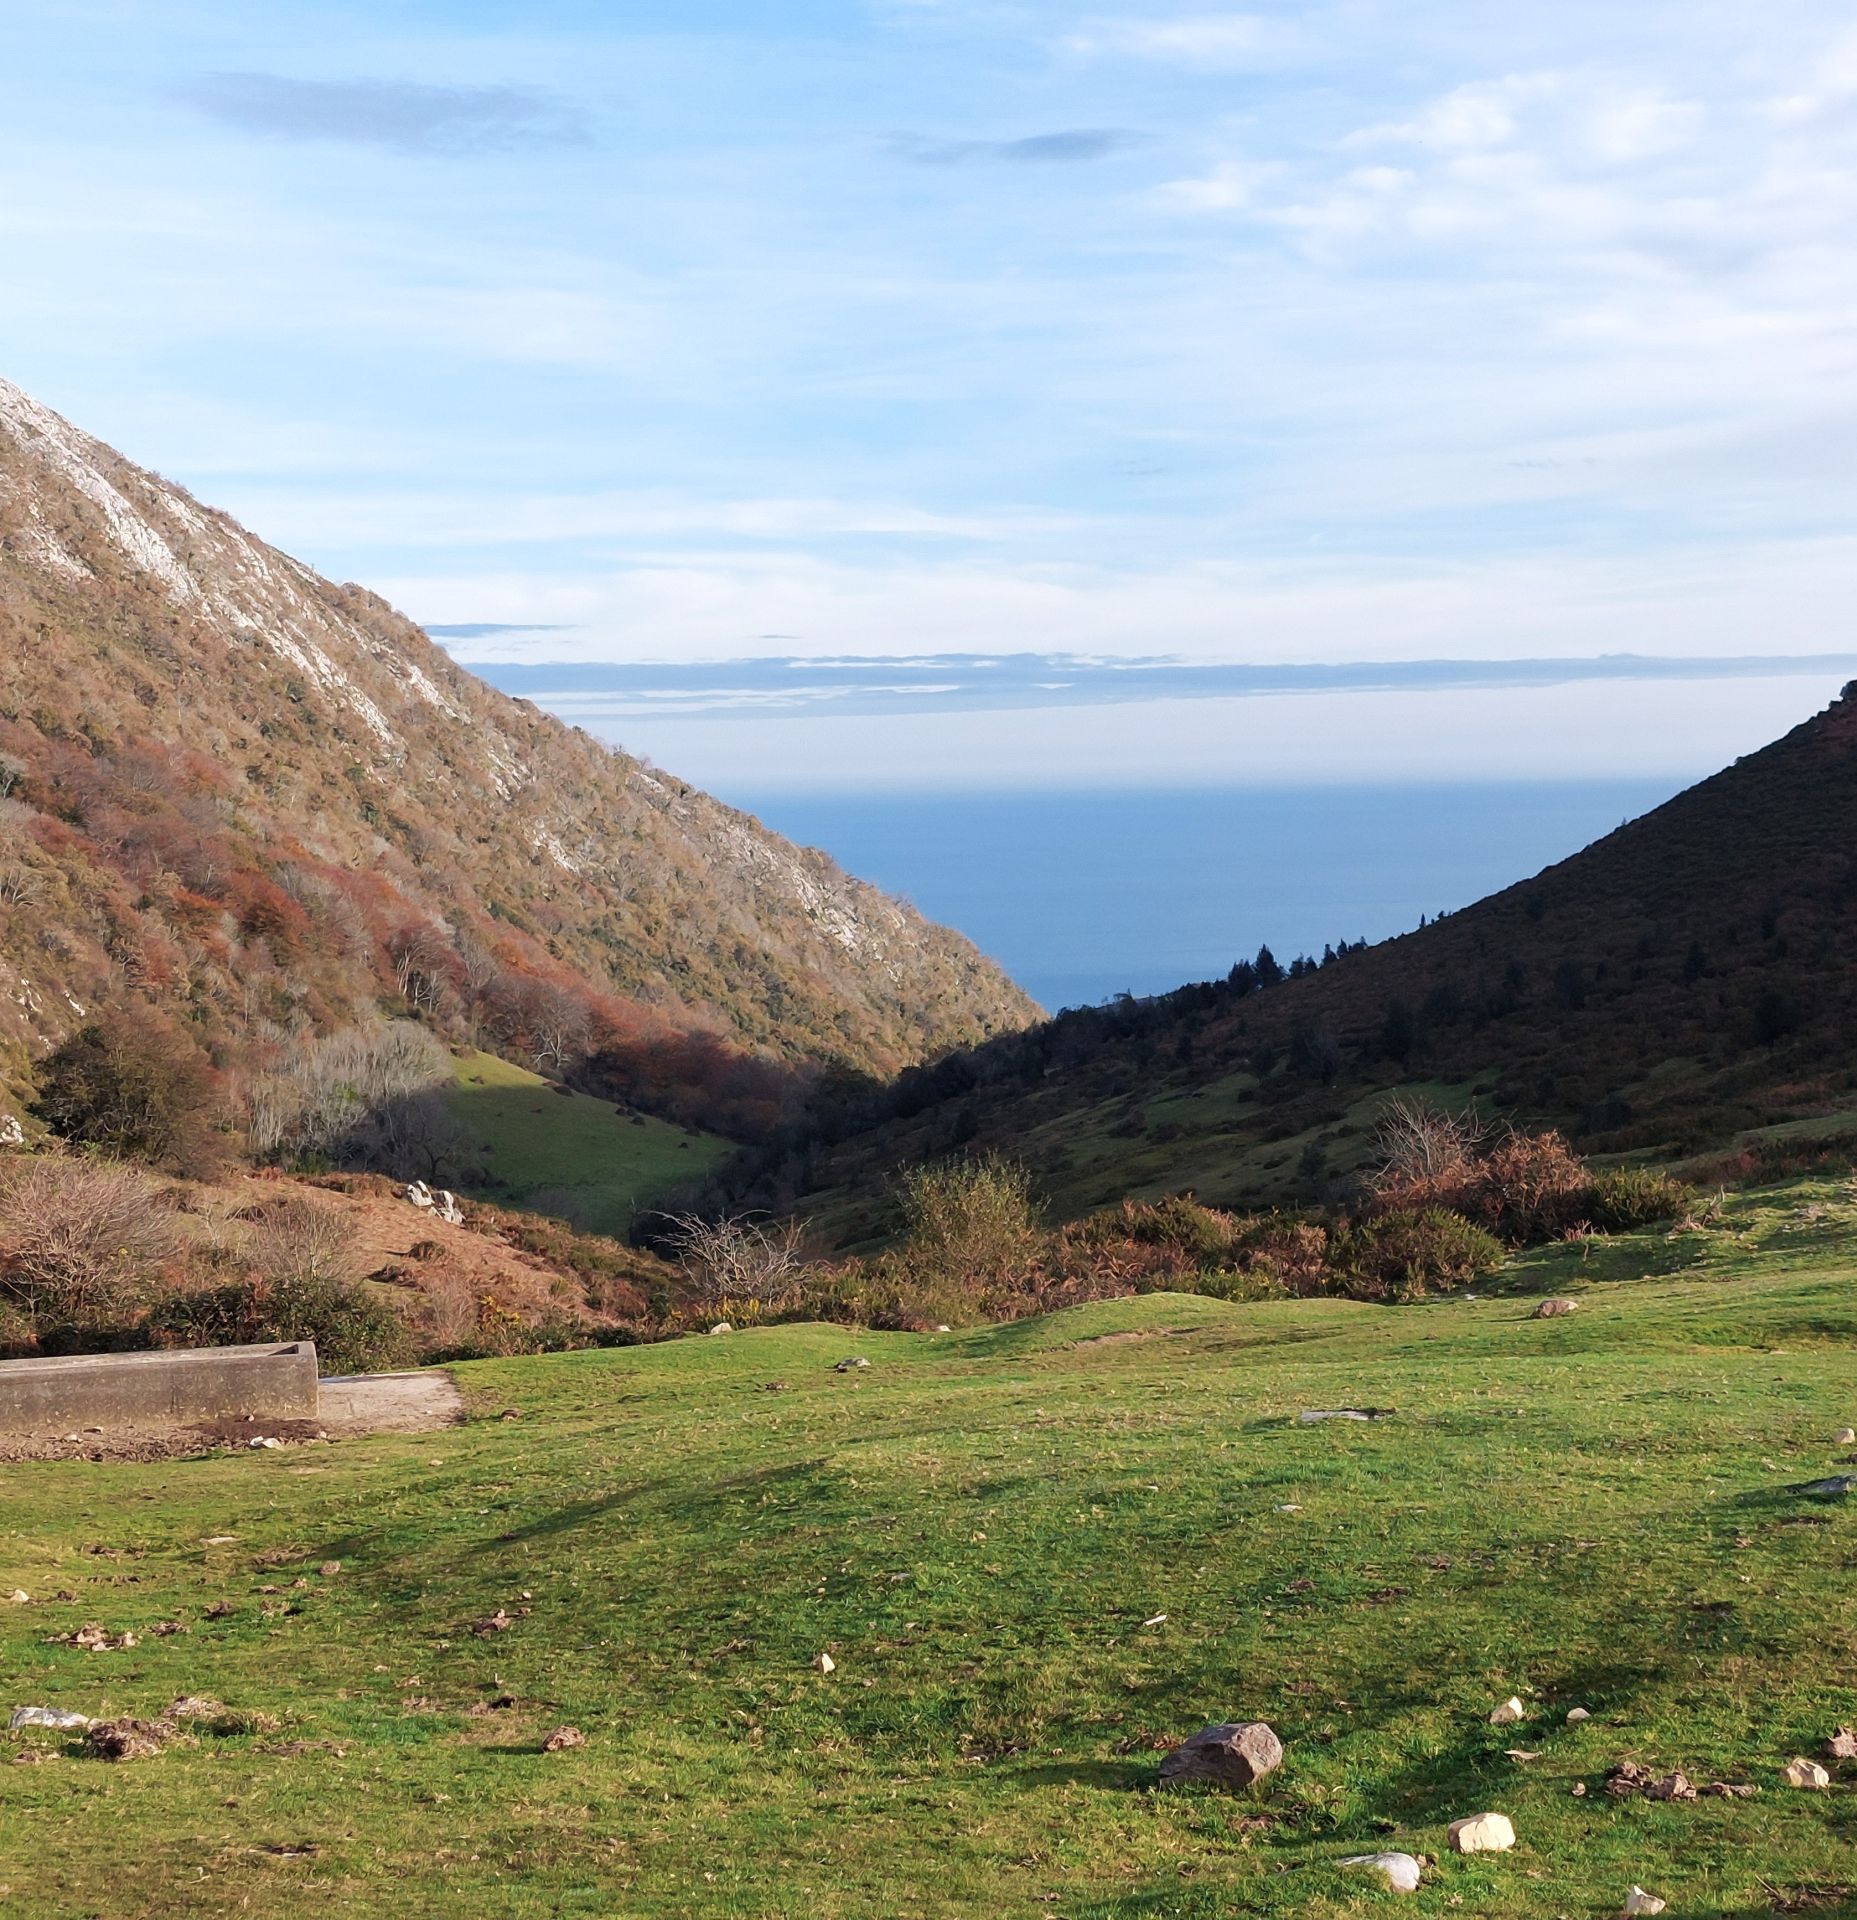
column 1083, row 895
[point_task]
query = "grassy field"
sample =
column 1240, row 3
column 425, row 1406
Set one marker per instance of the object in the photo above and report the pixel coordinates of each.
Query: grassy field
column 550, row 1149
column 983, row 1529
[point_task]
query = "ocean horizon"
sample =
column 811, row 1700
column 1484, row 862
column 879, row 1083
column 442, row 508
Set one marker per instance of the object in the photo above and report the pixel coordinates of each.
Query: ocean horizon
column 1085, row 894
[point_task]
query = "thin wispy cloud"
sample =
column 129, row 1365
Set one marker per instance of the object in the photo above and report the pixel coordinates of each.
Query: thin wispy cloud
column 1190, row 40
column 403, row 116
column 1069, row 146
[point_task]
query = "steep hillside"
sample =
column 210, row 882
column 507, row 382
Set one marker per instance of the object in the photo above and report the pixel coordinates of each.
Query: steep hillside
column 1689, row 979
column 233, row 788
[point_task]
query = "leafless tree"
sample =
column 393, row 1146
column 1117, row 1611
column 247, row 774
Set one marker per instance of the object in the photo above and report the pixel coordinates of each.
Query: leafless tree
column 422, row 959
column 1417, row 1144
column 328, row 1091
column 737, row 1257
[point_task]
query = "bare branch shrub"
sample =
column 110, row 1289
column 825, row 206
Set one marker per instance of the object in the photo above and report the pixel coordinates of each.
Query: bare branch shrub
column 1419, row 1149
column 80, row 1240
column 299, row 1243
column 737, row 1257
column 325, row 1099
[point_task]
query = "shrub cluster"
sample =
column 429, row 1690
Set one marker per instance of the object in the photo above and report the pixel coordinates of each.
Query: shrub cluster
column 1523, row 1188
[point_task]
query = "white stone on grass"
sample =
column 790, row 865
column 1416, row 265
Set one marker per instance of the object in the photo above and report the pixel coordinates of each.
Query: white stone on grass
column 1482, row 1833
column 1401, row 1870
column 1508, row 1713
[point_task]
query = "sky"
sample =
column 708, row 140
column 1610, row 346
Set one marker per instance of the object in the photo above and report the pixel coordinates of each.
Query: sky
column 701, row 331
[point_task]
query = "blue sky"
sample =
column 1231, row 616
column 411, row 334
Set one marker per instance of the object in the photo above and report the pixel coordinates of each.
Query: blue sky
column 1373, row 330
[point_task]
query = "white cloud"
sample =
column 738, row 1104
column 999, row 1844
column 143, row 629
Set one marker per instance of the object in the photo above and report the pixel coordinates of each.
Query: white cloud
column 429, row 518
column 1231, row 185
column 1479, row 114
column 723, row 605
column 1639, row 123
column 1215, row 40
column 1831, row 86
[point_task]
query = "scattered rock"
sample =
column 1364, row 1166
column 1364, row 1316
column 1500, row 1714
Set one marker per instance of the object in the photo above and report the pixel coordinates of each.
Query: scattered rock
column 1808, row 1774
column 1638, row 1901
column 194, row 1706
column 826, row 1664
column 1401, row 1870
column 19, row 1597
column 1578, row 1789
column 58, row 1718
column 851, row 1365
column 1628, row 1778
column 1508, row 1713
column 1553, row 1309
column 1311, row 1415
column 722, row 1326
column 129, row 1739
column 1842, row 1745
column 564, row 1738
column 1482, row 1833
column 95, row 1639
column 1576, row 1714
column 1846, row 1436
column 1232, row 1754
column 442, row 1205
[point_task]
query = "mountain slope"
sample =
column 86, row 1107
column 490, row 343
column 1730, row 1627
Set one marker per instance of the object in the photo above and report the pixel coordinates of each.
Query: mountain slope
column 231, row 786
column 1687, row 979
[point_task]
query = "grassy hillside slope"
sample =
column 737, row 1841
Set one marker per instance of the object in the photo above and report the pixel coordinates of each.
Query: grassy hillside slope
column 1686, row 980
column 233, row 788
column 983, row 1530
column 543, row 1146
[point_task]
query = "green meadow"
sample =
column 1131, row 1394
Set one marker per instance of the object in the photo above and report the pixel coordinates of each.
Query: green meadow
column 546, row 1148
column 1038, row 1554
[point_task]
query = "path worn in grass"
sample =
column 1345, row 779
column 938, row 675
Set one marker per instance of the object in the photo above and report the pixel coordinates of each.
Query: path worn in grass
column 1588, row 1512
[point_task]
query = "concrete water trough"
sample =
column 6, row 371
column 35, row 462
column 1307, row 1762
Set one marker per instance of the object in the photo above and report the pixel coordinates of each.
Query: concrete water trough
column 167, row 1389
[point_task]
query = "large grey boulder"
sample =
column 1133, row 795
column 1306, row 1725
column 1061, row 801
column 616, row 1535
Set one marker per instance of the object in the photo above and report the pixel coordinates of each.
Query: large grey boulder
column 1232, row 1754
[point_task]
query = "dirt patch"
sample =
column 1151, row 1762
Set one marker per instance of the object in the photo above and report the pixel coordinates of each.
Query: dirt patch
column 415, row 1402
column 1133, row 1334
column 350, row 1408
